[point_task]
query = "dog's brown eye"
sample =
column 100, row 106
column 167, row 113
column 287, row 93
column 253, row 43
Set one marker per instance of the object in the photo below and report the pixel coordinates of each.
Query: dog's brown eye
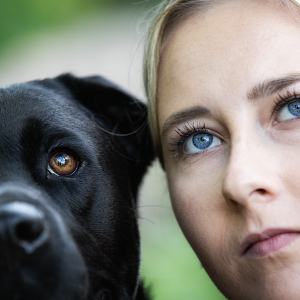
column 62, row 164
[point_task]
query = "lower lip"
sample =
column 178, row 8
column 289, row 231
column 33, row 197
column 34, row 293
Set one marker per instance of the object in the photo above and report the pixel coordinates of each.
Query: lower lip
column 272, row 244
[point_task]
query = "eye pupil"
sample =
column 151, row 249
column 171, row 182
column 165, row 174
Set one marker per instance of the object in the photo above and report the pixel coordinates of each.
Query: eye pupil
column 294, row 108
column 62, row 160
column 202, row 140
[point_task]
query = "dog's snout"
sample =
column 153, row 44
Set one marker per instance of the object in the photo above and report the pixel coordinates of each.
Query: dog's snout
column 23, row 225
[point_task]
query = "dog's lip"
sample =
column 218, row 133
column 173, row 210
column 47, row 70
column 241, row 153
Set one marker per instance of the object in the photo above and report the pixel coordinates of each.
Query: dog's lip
column 253, row 238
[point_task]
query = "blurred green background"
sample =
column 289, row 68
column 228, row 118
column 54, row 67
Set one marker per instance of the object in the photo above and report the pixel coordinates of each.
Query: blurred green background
column 41, row 38
column 19, row 17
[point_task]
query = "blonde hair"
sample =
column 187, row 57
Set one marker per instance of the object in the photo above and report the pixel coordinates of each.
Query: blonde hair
column 167, row 16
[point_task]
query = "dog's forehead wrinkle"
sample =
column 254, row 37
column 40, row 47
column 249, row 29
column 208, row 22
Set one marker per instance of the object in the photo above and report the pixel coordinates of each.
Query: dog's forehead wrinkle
column 56, row 119
column 20, row 101
column 36, row 98
column 56, row 135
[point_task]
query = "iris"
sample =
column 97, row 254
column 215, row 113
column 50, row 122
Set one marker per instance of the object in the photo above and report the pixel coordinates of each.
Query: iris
column 294, row 108
column 203, row 140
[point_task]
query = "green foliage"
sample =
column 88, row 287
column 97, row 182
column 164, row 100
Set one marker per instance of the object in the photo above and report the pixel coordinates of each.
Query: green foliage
column 18, row 17
column 21, row 17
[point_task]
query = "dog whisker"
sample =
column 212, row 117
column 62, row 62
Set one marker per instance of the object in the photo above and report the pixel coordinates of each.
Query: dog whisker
column 152, row 222
column 93, row 117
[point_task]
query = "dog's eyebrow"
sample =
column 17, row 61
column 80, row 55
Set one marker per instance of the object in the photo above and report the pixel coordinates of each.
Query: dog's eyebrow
column 272, row 86
column 183, row 116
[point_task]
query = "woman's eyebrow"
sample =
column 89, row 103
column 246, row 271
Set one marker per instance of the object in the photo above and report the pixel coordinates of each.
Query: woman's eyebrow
column 261, row 90
column 272, row 86
column 183, row 116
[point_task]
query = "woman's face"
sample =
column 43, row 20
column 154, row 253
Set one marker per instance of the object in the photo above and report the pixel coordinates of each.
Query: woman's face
column 229, row 118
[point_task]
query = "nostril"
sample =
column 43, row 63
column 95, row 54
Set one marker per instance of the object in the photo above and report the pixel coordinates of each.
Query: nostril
column 261, row 191
column 29, row 230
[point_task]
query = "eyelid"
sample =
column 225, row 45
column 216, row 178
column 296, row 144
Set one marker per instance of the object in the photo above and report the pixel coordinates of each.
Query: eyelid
column 186, row 132
column 284, row 100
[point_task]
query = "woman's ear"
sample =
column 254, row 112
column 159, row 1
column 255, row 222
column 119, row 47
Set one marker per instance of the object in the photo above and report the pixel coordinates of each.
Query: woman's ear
column 123, row 114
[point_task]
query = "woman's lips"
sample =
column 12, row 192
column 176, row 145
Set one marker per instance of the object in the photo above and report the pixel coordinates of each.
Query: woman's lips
column 268, row 241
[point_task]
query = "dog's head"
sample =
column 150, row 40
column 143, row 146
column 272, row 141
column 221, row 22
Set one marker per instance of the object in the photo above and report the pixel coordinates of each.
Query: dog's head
column 72, row 154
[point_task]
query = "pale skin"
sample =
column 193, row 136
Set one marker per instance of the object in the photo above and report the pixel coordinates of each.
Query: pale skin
column 248, row 180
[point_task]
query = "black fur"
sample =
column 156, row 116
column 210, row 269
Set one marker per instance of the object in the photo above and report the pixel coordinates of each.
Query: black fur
column 89, row 247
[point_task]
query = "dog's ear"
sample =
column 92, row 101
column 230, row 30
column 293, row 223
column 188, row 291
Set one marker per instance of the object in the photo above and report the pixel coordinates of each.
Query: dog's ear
column 124, row 115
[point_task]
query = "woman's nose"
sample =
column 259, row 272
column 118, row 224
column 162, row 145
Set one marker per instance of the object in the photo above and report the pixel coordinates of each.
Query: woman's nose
column 250, row 176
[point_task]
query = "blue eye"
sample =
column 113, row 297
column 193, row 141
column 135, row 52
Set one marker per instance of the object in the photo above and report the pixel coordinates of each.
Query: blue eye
column 294, row 108
column 289, row 111
column 201, row 141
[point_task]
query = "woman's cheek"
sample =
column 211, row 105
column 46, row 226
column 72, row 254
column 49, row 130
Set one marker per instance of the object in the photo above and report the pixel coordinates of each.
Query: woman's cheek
column 200, row 210
column 208, row 226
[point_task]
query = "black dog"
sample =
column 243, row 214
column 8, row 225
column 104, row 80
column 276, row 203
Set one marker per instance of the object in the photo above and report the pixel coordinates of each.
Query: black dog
column 72, row 155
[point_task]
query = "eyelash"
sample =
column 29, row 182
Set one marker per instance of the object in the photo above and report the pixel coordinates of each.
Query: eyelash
column 284, row 100
column 189, row 129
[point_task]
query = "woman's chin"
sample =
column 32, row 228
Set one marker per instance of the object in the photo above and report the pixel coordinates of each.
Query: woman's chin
column 273, row 276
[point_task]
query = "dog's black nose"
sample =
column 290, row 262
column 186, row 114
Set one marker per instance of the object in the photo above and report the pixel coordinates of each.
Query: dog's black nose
column 23, row 225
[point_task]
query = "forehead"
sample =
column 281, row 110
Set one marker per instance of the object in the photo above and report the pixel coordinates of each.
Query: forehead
column 222, row 53
column 22, row 102
column 35, row 110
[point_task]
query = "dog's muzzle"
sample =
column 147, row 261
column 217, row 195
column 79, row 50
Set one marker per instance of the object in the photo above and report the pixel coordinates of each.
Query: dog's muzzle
column 38, row 257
